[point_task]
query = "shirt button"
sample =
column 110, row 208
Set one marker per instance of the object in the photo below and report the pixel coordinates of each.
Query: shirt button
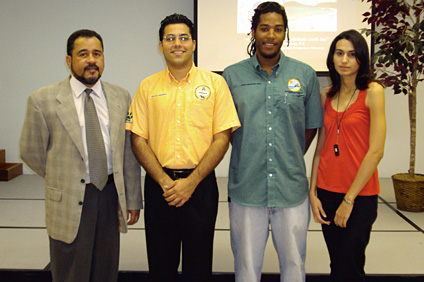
column 179, row 87
column 270, row 144
column 80, row 203
column 178, row 156
column 270, row 160
column 269, row 97
column 178, row 139
column 82, row 180
column 269, row 112
column 178, row 121
column 179, row 105
column 270, row 128
column 270, row 175
column 269, row 82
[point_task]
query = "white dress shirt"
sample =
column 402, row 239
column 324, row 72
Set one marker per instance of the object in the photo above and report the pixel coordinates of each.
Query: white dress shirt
column 99, row 98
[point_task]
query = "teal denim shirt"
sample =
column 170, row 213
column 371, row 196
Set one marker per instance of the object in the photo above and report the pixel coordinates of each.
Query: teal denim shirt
column 267, row 167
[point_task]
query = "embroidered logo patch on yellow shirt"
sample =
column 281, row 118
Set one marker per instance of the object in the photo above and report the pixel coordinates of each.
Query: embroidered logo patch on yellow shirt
column 129, row 117
column 202, row 92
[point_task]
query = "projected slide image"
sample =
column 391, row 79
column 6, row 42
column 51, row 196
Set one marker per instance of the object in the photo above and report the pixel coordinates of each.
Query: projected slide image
column 303, row 15
column 224, row 25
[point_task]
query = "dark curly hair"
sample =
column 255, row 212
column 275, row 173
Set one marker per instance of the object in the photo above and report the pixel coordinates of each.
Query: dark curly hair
column 264, row 8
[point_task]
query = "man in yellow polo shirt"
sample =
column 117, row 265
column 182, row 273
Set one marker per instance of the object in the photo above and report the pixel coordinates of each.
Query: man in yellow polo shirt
column 181, row 120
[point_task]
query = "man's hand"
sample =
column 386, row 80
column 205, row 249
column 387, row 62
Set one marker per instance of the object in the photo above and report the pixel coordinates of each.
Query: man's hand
column 166, row 182
column 133, row 216
column 181, row 192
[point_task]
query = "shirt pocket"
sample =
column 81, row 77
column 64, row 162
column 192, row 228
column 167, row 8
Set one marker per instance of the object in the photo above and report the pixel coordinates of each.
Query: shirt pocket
column 290, row 107
column 294, row 99
column 201, row 114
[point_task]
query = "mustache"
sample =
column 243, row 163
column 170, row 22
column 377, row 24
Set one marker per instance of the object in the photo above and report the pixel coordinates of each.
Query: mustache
column 91, row 66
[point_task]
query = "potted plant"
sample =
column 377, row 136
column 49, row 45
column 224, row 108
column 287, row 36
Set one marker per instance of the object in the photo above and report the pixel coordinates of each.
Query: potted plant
column 399, row 64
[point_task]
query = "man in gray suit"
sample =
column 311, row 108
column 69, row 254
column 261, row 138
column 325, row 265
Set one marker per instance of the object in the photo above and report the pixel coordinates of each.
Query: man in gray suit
column 92, row 191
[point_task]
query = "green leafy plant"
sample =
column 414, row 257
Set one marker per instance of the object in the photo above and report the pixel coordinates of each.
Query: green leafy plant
column 398, row 35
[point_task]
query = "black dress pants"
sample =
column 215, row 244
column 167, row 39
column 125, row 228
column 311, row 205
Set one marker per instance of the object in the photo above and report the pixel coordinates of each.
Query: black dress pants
column 191, row 227
column 94, row 254
column 346, row 246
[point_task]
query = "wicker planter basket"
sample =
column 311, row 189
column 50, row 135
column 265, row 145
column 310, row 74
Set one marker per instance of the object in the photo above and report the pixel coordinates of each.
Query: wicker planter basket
column 409, row 192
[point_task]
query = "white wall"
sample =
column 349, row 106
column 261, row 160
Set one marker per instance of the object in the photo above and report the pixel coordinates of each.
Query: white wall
column 396, row 157
column 33, row 36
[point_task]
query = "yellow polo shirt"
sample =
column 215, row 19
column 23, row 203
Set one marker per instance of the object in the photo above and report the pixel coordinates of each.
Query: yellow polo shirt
column 179, row 119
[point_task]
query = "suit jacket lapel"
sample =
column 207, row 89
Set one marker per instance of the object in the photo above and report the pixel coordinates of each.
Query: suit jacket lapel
column 115, row 112
column 67, row 114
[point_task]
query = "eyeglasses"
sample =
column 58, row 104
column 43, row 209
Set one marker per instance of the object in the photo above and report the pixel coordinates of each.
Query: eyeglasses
column 172, row 38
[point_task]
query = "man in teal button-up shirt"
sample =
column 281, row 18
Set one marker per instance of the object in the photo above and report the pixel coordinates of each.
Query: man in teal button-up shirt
column 278, row 103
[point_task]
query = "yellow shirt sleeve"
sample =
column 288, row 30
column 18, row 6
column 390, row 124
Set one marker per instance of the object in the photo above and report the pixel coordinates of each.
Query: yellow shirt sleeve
column 137, row 119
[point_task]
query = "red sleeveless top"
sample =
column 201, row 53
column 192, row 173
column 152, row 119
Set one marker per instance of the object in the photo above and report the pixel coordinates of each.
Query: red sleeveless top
column 336, row 173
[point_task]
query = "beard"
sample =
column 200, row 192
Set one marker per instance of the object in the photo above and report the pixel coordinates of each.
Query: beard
column 87, row 80
column 268, row 55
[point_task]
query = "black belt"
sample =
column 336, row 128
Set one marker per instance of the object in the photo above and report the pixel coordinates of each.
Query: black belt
column 109, row 181
column 178, row 173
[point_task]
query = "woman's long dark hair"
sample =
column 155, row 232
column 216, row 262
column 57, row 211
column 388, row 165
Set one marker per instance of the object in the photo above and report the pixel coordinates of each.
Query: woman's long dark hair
column 364, row 76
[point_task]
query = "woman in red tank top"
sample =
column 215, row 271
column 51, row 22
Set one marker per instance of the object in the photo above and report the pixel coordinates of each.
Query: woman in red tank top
column 344, row 181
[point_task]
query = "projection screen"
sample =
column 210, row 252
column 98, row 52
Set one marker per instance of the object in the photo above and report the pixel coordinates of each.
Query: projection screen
column 223, row 27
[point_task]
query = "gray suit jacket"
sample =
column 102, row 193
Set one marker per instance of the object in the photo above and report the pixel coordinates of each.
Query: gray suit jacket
column 51, row 145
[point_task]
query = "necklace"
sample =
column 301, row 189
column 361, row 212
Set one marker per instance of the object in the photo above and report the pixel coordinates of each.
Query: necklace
column 336, row 146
